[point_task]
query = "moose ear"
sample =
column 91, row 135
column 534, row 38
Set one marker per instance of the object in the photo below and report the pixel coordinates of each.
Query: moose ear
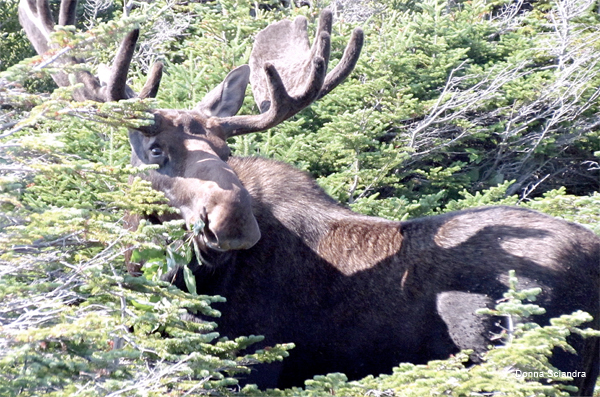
column 226, row 99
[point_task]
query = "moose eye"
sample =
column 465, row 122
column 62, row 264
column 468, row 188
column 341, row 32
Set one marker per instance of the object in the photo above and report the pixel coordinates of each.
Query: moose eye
column 157, row 156
column 156, row 152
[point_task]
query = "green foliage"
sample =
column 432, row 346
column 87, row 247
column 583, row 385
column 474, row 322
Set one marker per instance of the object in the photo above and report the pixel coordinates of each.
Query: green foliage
column 580, row 209
column 492, row 196
column 464, row 90
column 13, row 43
column 72, row 319
column 452, row 105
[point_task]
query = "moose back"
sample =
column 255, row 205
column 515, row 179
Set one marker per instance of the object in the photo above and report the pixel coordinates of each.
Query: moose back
column 356, row 294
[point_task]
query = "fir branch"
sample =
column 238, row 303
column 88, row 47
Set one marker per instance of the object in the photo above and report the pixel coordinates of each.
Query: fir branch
column 12, row 131
column 64, row 241
column 15, row 168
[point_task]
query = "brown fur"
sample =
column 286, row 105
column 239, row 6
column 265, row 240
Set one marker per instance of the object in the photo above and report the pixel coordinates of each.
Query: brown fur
column 358, row 294
column 353, row 246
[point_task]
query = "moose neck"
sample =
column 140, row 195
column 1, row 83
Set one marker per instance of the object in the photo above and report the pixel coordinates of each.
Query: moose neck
column 348, row 241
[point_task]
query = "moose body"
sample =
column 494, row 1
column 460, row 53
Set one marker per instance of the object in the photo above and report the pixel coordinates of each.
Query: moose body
column 355, row 294
column 359, row 294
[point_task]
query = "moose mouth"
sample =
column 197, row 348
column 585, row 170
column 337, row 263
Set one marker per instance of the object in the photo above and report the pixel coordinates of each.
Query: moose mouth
column 204, row 239
column 207, row 252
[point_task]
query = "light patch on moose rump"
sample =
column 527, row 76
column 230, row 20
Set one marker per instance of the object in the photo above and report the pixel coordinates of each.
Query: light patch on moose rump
column 493, row 226
column 454, row 233
column 353, row 246
column 519, row 234
column 540, row 250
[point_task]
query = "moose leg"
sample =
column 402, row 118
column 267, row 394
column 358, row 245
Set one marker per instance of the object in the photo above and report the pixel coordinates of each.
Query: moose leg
column 591, row 366
column 583, row 366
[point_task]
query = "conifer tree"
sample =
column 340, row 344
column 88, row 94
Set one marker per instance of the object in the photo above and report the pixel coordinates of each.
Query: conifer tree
column 452, row 105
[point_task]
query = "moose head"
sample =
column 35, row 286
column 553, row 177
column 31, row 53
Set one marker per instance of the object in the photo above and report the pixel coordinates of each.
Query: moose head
column 189, row 146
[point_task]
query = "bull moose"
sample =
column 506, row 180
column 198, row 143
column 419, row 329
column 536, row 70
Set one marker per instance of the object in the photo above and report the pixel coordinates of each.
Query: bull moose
column 356, row 294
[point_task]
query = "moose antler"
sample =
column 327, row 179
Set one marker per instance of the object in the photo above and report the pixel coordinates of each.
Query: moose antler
column 36, row 18
column 287, row 74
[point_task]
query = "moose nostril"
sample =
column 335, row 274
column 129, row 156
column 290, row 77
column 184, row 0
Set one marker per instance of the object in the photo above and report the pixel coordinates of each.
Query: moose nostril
column 222, row 234
column 210, row 236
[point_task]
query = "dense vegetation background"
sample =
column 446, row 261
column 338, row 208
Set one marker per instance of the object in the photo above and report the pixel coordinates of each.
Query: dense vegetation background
column 453, row 104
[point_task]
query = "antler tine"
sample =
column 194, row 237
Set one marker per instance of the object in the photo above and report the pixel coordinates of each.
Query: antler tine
column 67, row 14
column 150, row 89
column 116, row 86
column 287, row 75
column 324, row 26
column 36, row 18
column 346, row 65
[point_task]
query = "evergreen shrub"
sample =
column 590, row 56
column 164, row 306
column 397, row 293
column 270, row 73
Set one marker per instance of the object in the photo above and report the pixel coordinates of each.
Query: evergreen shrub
column 452, row 105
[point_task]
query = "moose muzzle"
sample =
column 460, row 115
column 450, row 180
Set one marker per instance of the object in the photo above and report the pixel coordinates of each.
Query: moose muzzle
column 224, row 223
